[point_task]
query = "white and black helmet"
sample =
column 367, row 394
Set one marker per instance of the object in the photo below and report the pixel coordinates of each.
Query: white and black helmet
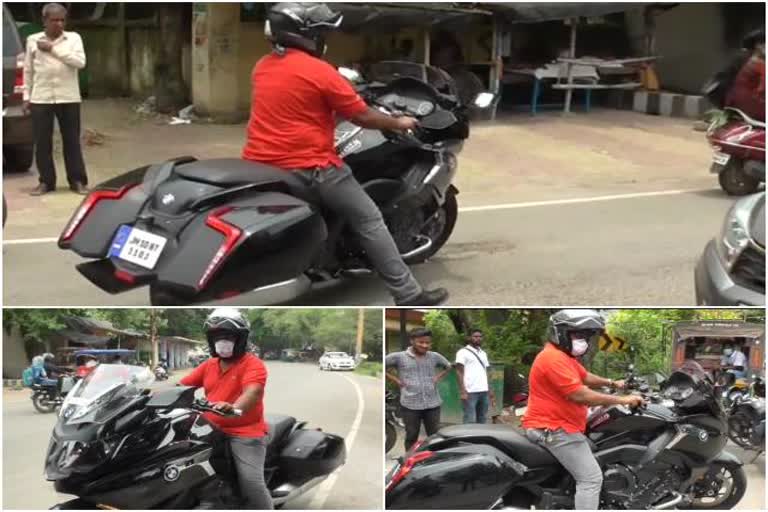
column 301, row 25
column 227, row 323
column 566, row 322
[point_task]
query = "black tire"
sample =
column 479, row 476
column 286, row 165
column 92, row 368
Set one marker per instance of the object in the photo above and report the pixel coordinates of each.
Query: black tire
column 737, row 490
column 447, row 215
column 735, row 181
column 737, row 422
column 391, row 438
column 37, row 402
column 19, row 157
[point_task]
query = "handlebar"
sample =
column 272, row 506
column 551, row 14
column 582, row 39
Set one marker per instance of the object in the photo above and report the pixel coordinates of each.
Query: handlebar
column 204, row 405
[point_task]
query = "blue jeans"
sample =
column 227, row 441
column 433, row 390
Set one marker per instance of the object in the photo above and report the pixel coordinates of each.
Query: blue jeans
column 476, row 407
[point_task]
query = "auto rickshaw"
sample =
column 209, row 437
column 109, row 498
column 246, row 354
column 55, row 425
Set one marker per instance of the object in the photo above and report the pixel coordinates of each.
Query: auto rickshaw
column 111, row 356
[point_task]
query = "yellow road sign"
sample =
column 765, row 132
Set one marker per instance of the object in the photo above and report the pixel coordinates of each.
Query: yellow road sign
column 611, row 343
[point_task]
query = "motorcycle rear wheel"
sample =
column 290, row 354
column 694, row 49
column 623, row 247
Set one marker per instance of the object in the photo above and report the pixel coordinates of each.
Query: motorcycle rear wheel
column 735, row 182
column 391, row 438
column 37, row 402
column 735, row 482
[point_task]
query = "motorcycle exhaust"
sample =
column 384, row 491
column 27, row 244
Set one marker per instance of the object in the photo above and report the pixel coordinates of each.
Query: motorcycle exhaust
column 426, row 244
column 671, row 503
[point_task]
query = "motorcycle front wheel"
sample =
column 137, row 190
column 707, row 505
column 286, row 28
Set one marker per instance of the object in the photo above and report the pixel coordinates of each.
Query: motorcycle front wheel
column 391, row 438
column 735, row 181
column 721, row 488
column 439, row 227
column 39, row 402
column 741, row 429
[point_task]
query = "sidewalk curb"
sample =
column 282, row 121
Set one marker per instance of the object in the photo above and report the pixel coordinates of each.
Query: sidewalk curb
column 13, row 383
column 665, row 104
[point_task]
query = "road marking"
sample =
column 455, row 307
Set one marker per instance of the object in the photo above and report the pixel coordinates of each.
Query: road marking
column 318, row 500
column 28, row 241
column 579, row 200
column 487, row 208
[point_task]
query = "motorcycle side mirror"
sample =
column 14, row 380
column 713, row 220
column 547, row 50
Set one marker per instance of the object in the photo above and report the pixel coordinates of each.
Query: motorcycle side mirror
column 484, row 100
column 352, row 75
column 438, row 120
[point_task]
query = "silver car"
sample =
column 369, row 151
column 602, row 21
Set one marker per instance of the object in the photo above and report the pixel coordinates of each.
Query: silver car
column 336, row 361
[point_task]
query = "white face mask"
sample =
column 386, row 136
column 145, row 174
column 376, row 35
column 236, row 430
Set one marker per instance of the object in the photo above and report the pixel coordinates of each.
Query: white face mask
column 579, row 347
column 728, row 351
column 224, row 348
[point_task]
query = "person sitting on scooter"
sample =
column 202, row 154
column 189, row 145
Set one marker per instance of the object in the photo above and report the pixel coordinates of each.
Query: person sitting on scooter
column 737, row 361
column 52, row 372
column 748, row 90
column 560, row 392
column 296, row 96
column 235, row 379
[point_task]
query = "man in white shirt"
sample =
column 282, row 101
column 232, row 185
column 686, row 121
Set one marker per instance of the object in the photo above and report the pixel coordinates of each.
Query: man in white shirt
column 472, row 369
column 51, row 89
column 737, row 361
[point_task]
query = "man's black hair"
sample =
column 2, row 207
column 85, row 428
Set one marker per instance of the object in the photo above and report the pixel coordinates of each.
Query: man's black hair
column 473, row 331
column 419, row 332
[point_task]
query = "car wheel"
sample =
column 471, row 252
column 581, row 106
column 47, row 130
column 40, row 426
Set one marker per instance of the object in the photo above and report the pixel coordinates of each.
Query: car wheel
column 19, row 157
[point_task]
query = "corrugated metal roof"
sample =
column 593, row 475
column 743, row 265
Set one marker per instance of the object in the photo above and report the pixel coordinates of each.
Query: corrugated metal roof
column 535, row 12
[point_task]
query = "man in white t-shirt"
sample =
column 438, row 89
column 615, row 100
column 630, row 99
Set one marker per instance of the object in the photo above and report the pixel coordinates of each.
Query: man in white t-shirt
column 472, row 369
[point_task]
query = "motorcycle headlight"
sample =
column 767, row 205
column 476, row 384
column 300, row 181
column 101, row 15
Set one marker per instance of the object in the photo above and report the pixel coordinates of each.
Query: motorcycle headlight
column 735, row 236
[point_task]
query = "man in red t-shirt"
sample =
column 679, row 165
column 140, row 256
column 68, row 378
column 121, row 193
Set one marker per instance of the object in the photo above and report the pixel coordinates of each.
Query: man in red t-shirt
column 296, row 96
column 234, row 379
column 559, row 394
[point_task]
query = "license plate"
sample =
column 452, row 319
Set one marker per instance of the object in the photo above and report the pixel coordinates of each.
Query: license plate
column 720, row 158
column 137, row 246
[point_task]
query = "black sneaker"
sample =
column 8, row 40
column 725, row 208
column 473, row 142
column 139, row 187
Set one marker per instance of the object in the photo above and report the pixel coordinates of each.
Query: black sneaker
column 427, row 298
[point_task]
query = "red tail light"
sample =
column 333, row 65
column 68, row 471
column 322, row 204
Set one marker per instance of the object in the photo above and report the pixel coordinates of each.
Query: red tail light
column 125, row 277
column 407, row 467
column 231, row 236
column 18, row 82
column 87, row 206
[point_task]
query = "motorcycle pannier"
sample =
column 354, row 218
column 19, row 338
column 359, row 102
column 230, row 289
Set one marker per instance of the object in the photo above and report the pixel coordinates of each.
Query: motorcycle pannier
column 312, row 453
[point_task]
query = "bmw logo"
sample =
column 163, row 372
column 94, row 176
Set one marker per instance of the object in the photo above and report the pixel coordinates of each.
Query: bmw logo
column 703, row 436
column 171, row 473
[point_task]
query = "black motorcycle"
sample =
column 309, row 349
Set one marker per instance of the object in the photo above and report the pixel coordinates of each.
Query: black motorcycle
column 46, row 398
column 393, row 419
column 657, row 457
column 746, row 417
column 119, row 445
column 202, row 230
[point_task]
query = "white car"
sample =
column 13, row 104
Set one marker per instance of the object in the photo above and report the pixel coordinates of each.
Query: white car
column 336, row 361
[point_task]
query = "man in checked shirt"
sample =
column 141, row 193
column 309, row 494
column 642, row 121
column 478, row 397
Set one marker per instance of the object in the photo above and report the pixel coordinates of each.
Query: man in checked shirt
column 418, row 372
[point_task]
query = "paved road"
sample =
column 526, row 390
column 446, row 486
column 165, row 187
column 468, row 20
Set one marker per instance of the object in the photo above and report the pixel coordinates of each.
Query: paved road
column 326, row 400
column 754, row 499
column 633, row 251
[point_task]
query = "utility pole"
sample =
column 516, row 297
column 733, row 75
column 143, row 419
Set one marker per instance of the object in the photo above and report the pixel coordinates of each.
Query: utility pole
column 360, row 331
column 153, row 336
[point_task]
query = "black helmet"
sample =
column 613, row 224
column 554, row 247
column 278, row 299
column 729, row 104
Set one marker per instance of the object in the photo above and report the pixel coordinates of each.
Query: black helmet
column 301, row 25
column 566, row 322
column 227, row 323
column 752, row 39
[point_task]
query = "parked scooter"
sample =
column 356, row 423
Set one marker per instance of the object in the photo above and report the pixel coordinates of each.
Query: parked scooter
column 393, row 420
column 746, row 417
column 656, row 457
column 202, row 230
column 739, row 152
column 118, row 445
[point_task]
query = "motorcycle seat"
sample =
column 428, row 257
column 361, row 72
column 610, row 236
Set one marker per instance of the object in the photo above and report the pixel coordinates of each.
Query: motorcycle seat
column 279, row 427
column 507, row 439
column 233, row 172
